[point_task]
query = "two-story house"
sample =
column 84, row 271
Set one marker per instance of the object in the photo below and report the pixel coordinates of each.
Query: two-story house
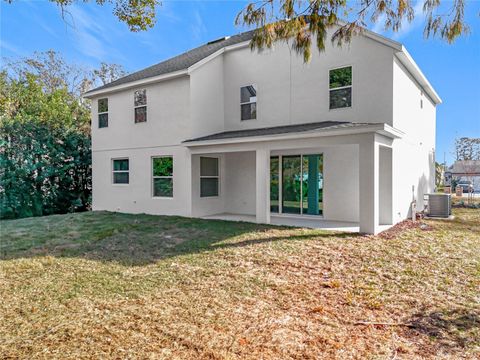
column 225, row 131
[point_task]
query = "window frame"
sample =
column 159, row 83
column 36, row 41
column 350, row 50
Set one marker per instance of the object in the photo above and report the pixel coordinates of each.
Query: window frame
column 210, row 177
column 120, row 171
column 135, row 107
column 255, row 86
column 153, row 177
column 340, row 88
column 102, row 113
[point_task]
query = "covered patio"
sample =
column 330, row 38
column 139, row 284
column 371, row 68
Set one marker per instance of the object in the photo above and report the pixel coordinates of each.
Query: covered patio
column 301, row 222
column 355, row 179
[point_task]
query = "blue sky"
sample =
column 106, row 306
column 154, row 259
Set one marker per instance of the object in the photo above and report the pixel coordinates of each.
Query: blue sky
column 91, row 34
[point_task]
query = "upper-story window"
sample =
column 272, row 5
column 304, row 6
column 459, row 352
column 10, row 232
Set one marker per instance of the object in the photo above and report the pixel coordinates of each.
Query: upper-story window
column 140, row 106
column 102, row 113
column 248, row 102
column 341, row 87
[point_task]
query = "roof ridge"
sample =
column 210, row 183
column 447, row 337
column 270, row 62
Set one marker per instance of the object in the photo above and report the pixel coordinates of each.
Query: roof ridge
column 179, row 62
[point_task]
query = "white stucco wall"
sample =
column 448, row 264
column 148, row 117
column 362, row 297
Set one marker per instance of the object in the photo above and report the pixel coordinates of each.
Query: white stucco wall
column 341, row 189
column 202, row 206
column 168, row 117
column 291, row 92
column 240, row 183
column 414, row 154
column 136, row 197
column 341, row 181
column 385, row 186
column 207, row 99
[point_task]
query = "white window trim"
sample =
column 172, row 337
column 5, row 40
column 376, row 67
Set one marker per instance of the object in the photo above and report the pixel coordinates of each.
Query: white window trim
column 340, row 88
column 210, row 177
column 139, row 106
column 162, row 177
column 101, row 113
column 120, row 171
column 249, row 102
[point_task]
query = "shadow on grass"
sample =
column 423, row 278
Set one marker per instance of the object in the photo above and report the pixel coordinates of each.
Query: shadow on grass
column 139, row 239
column 451, row 330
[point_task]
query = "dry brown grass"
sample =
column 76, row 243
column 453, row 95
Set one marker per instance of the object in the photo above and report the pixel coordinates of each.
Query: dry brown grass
column 248, row 293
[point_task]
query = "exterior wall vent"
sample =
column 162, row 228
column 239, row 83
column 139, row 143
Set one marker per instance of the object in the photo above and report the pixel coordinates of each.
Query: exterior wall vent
column 218, row 40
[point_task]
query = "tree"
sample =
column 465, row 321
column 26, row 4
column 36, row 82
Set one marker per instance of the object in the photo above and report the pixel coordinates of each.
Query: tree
column 54, row 73
column 467, row 154
column 45, row 151
column 439, row 174
column 467, row 149
column 45, row 155
column 107, row 73
column 304, row 21
column 139, row 15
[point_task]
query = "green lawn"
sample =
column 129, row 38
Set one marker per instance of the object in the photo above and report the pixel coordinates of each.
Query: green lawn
column 108, row 285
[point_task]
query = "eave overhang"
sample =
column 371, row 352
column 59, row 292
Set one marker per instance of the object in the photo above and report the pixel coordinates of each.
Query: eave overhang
column 381, row 129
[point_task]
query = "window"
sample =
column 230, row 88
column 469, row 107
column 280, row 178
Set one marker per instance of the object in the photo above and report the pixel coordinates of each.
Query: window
column 120, row 171
column 102, row 113
column 341, row 88
column 140, row 106
column 208, row 176
column 162, row 171
column 248, row 102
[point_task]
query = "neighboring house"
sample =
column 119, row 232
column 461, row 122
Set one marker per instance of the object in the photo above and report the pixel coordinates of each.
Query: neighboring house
column 221, row 129
column 464, row 171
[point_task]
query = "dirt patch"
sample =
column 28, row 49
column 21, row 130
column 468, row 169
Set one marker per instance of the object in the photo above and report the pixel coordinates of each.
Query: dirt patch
column 404, row 226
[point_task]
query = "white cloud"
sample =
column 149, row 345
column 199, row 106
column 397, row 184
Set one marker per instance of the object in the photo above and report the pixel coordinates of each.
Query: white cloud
column 166, row 11
column 198, row 27
column 407, row 27
column 378, row 27
column 33, row 15
column 11, row 48
column 92, row 33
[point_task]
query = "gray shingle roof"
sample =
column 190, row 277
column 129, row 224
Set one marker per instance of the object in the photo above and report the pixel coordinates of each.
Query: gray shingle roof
column 180, row 62
column 278, row 130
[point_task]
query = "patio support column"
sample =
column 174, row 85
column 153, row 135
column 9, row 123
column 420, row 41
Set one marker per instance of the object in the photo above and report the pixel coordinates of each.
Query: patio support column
column 262, row 174
column 369, row 184
column 188, row 182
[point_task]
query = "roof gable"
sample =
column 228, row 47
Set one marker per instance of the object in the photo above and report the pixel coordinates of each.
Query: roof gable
column 179, row 62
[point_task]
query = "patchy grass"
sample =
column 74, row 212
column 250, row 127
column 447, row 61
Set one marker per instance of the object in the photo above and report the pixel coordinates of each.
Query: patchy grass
column 105, row 285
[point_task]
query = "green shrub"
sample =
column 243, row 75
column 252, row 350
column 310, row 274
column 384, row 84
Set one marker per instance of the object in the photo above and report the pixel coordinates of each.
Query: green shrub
column 45, row 157
column 44, row 170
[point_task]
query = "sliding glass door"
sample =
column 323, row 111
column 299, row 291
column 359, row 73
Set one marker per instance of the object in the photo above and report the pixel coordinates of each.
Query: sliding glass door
column 296, row 184
column 312, row 185
column 291, row 184
column 274, row 184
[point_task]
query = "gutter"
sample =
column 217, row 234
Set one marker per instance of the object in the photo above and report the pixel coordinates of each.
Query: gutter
column 405, row 58
column 92, row 93
column 154, row 79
